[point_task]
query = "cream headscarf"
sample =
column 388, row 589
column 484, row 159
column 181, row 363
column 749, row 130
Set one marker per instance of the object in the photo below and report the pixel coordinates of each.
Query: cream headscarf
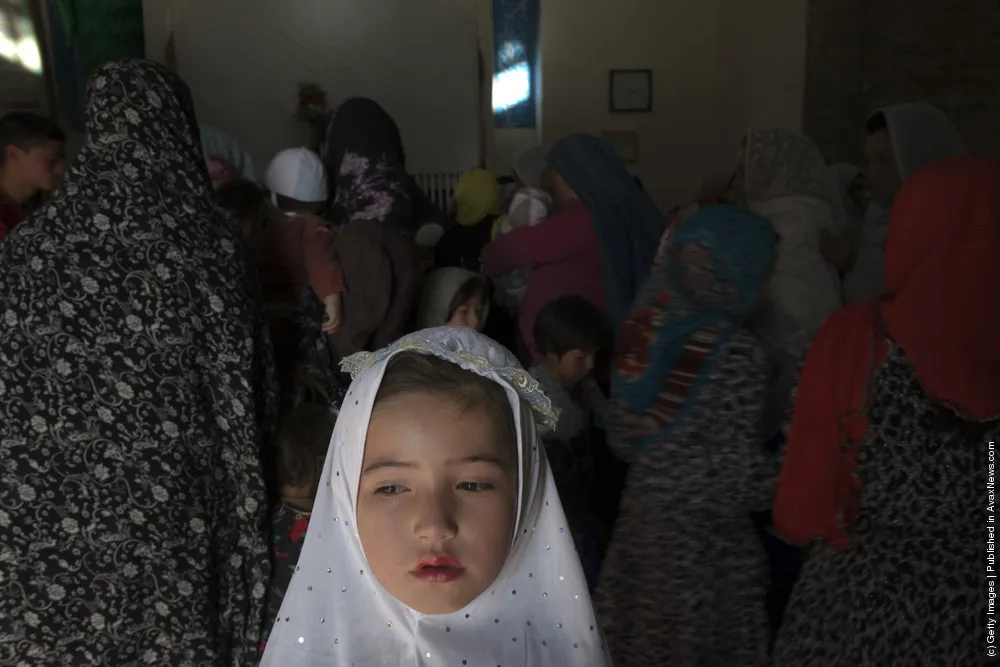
column 921, row 134
column 440, row 287
column 787, row 181
column 537, row 612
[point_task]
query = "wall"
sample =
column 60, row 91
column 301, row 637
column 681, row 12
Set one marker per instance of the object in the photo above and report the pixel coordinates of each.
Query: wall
column 244, row 60
column 720, row 68
column 892, row 51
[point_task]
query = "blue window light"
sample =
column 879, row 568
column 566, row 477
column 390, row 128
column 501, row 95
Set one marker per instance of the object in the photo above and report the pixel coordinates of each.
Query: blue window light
column 515, row 34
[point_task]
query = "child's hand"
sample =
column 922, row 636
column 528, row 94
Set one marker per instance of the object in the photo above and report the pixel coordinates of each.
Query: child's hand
column 332, row 304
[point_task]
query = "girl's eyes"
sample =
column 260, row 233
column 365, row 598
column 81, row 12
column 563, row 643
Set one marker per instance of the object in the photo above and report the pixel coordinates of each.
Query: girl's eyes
column 388, row 490
column 474, row 487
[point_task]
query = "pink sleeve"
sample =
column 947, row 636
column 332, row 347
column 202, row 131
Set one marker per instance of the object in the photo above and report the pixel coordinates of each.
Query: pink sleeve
column 564, row 235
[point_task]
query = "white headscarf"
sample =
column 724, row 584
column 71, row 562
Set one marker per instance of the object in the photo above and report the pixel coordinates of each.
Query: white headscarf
column 921, row 134
column 530, row 165
column 787, row 181
column 537, row 612
column 440, row 287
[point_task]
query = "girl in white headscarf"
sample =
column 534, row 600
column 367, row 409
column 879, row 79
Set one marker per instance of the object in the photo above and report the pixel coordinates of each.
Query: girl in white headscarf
column 438, row 537
column 453, row 297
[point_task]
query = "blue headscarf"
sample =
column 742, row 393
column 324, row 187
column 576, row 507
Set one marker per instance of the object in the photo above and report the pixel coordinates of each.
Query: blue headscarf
column 628, row 223
column 701, row 291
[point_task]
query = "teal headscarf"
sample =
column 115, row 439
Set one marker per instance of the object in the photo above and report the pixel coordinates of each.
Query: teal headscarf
column 701, row 290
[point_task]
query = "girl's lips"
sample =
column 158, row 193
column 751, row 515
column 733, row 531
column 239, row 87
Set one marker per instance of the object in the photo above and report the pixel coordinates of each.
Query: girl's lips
column 438, row 575
column 438, row 570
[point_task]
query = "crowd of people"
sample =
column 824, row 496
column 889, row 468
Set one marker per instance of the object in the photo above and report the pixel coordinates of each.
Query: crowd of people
column 313, row 420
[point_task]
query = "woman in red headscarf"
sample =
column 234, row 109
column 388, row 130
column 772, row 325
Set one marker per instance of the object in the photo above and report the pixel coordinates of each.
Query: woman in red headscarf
column 888, row 452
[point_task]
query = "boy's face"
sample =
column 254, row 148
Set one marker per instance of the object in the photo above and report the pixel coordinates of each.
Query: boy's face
column 574, row 366
column 436, row 502
column 40, row 167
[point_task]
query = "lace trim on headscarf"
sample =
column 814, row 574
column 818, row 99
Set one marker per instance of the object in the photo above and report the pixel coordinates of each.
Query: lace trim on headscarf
column 546, row 416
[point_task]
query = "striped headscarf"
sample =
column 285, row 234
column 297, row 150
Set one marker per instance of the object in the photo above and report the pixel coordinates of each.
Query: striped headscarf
column 701, row 290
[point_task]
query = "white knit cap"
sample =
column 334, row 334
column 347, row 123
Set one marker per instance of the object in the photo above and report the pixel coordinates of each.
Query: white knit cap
column 297, row 173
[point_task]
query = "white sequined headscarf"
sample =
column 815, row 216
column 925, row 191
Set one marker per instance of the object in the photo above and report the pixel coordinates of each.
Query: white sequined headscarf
column 537, row 612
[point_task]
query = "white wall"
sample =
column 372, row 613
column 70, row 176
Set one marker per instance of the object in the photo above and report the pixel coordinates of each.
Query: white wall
column 244, row 60
column 720, row 67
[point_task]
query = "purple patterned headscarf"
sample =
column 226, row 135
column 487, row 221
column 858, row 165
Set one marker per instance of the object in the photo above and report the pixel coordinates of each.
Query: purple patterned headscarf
column 364, row 156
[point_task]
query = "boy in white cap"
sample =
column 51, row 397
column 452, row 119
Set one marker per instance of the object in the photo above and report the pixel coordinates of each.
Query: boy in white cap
column 295, row 249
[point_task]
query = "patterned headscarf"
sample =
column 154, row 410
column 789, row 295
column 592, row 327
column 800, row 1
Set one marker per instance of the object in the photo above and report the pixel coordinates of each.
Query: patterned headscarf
column 135, row 389
column 780, row 163
column 701, row 290
column 628, row 223
column 366, row 165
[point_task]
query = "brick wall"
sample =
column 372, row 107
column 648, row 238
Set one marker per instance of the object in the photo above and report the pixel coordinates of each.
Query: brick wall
column 863, row 55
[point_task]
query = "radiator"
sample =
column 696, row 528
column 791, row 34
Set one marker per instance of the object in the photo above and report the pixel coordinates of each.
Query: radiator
column 439, row 187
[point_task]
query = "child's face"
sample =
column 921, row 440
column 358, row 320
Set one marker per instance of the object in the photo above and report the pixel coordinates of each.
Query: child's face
column 574, row 366
column 436, row 502
column 40, row 167
column 469, row 314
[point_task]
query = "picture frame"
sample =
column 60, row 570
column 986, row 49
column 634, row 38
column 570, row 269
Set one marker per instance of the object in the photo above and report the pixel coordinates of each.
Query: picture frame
column 626, row 144
column 630, row 91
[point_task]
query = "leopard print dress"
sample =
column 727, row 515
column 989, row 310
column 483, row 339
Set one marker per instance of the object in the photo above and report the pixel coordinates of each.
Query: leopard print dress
column 910, row 589
column 684, row 582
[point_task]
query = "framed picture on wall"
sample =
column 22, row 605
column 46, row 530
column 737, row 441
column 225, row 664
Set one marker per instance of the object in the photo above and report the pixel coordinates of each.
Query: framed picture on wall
column 631, row 90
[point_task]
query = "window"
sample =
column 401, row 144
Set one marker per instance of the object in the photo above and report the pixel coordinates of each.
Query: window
column 515, row 35
column 21, row 71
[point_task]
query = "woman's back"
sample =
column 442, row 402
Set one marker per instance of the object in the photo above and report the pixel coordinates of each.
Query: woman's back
column 908, row 589
column 685, row 544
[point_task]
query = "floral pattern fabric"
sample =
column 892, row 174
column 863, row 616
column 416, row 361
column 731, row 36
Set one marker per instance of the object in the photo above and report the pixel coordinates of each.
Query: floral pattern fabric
column 288, row 534
column 135, row 393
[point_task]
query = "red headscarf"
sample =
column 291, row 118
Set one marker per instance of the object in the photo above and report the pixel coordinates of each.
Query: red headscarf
column 939, row 303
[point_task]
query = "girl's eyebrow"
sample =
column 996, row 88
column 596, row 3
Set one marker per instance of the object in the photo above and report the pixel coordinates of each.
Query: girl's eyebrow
column 479, row 458
column 387, row 463
column 383, row 464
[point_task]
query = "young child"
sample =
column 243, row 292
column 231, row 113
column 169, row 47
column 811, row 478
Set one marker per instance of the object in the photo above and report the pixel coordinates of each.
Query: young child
column 32, row 162
column 570, row 332
column 453, row 297
column 297, row 260
column 528, row 207
column 300, row 447
column 438, row 537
